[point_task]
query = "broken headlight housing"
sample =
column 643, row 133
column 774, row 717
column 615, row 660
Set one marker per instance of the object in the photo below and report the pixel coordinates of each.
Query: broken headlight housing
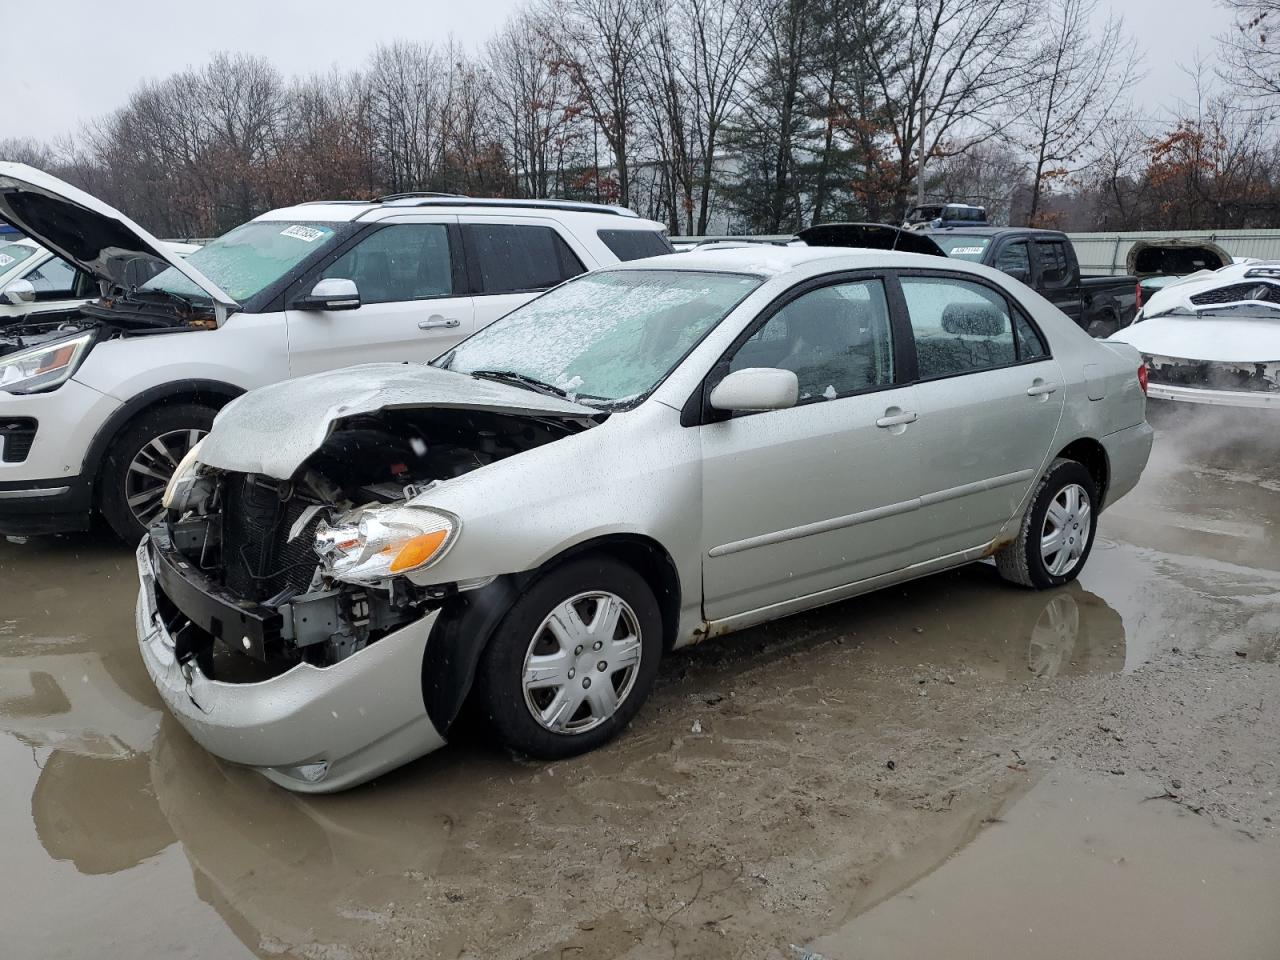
column 177, row 492
column 371, row 544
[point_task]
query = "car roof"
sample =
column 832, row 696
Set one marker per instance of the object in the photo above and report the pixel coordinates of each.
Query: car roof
column 773, row 261
column 987, row 231
column 620, row 218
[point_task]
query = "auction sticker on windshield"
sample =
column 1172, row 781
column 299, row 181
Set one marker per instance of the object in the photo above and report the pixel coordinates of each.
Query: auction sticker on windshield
column 966, row 251
column 306, row 234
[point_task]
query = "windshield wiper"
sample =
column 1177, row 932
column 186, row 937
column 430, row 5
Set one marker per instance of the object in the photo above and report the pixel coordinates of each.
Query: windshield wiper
column 521, row 380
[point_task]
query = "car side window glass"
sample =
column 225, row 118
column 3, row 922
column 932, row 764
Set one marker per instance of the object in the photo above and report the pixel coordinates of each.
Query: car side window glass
column 405, row 261
column 958, row 326
column 835, row 339
column 53, row 280
column 1030, row 344
column 635, row 244
column 1053, row 261
column 1015, row 260
column 518, row 258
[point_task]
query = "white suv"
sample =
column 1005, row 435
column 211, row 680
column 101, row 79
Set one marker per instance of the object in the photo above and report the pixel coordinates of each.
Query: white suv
column 96, row 411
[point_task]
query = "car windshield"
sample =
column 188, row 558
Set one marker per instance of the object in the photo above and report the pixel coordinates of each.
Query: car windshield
column 12, row 254
column 606, row 338
column 250, row 258
column 962, row 247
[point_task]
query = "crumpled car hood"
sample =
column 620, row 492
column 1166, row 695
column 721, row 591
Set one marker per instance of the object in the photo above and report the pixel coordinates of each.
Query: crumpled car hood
column 1213, row 339
column 274, row 429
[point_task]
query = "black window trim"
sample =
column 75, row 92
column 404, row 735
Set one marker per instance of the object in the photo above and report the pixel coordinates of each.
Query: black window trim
column 697, row 410
column 1011, row 305
column 475, row 283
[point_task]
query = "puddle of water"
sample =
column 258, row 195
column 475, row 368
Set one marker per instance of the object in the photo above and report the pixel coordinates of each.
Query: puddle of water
column 1082, row 867
column 106, row 804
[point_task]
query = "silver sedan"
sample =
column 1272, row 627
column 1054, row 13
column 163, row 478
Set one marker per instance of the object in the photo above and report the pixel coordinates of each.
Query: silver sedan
column 639, row 459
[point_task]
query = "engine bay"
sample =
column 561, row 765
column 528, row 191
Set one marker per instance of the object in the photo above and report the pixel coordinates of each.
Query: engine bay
column 252, row 538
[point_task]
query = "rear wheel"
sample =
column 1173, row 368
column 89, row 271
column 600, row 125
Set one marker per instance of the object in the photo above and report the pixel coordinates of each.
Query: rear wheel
column 1057, row 530
column 573, row 660
column 140, row 462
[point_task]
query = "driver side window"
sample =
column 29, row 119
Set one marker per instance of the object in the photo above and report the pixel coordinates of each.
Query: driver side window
column 402, row 262
column 835, row 339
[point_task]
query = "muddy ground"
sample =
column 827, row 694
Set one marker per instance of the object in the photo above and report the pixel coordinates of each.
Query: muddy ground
column 952, row 768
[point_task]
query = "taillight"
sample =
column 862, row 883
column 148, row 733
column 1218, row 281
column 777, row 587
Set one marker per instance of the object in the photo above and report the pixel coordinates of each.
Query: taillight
column 1137, row 297
column 1142, row 378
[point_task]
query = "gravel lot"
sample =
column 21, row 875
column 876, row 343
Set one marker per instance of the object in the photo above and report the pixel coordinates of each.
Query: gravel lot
column 952, row 767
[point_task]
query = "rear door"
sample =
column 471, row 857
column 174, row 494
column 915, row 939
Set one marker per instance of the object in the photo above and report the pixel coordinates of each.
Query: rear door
column 513, row 259
column 414, row 302
column 1056, row 278
column 989, row 398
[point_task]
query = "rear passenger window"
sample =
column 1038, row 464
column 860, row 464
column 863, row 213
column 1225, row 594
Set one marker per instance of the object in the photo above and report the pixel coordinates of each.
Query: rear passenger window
column 835, row 339
column 1053, row 261
column 635, row 244
column 1030, row 345
column 516, row 258
column 958, row 326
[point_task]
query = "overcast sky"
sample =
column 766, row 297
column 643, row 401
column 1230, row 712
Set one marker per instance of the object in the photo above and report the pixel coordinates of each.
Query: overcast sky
column 66, row 62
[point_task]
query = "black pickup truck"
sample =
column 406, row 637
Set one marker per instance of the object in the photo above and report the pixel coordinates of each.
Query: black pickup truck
column 1046, row 261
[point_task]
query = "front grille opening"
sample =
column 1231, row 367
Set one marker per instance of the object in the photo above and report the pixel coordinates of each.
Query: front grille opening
column 1238, row 292
column 16, row 438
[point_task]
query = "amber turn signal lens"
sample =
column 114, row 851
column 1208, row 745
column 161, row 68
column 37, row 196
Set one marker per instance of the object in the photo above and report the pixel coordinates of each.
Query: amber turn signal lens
column 418, row 550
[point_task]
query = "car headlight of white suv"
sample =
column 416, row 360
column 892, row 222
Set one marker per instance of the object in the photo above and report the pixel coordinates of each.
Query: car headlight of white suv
column 44, row 367
column 371, row 544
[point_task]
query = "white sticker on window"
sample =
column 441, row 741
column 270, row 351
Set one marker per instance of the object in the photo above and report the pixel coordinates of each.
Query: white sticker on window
column 965, row 251
column 5, row 259
column 299, row 232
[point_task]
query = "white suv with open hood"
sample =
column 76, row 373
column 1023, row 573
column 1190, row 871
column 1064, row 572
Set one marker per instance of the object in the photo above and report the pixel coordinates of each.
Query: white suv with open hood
column 99, row 407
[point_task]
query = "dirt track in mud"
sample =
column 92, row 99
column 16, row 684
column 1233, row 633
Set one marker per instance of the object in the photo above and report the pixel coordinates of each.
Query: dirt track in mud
column 951, row 767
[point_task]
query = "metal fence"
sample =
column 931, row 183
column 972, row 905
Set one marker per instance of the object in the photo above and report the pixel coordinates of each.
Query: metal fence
column 1106, row 252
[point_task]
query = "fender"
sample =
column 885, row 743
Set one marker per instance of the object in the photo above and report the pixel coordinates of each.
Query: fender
column 215, row 392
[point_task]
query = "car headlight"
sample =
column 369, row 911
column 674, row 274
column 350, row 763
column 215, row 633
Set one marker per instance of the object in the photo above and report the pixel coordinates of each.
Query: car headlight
column 43, row 367
column 178, row 490
column 373, row 543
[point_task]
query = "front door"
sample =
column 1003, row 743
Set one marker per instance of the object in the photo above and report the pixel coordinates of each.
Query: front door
column 807, row 499
column 990, row 397
column 412, row 306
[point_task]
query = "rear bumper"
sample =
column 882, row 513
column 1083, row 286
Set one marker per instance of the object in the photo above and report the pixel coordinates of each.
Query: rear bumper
column 310, row 729
column 1252, row 399
column 1128, row 451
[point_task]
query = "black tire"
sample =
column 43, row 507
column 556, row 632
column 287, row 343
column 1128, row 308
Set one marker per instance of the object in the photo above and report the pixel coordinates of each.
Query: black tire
column 1104, row 326
column 1022, row 562
column 141, row 431
column 500, row 687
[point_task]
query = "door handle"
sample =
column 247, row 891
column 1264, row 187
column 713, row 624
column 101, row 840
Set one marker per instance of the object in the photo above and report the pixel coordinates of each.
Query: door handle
column 1041, row 389
column 438, row 322
column 897, row 419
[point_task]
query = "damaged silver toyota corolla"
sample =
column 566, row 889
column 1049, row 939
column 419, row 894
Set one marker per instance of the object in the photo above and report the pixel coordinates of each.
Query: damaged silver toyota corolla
column 640, row 458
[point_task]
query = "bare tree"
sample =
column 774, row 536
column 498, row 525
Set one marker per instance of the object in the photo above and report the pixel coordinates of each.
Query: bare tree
column 1082, row 78
column 599, row 45
column 1250, row 52
column 959, row 66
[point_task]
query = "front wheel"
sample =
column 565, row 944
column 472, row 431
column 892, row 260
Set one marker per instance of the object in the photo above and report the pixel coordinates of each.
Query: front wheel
column 140, row 462
column 573, row 659
column 1057, row 530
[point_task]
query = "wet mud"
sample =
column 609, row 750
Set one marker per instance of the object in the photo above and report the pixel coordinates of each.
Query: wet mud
column 954, row 765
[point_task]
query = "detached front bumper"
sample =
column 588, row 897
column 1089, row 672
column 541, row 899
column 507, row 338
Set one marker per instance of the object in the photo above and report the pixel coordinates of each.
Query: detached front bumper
column 1253, row 399
column 310, row 729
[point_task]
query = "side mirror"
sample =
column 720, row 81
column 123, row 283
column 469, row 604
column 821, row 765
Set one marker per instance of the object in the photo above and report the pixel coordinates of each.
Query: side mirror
column 19, row 292
column 333, row 293
column 756, row 388
column 1018, row 273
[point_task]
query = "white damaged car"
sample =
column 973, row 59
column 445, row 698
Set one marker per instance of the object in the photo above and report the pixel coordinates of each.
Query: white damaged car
column 1213, row 338
column 643, row 457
